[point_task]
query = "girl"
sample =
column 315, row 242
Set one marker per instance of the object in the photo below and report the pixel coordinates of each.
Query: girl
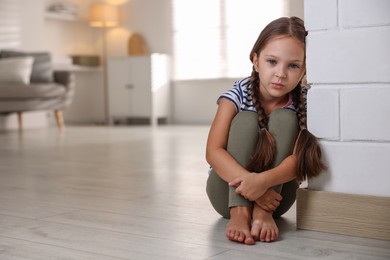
column 260, row 127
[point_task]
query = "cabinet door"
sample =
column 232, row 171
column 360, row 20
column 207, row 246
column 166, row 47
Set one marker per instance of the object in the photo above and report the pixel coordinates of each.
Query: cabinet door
column 119, row 94
column 141, row 86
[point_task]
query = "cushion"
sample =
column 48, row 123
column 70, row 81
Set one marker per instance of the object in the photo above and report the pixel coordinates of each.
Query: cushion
column 16, row 70
column 42, row 70
column 40, row 91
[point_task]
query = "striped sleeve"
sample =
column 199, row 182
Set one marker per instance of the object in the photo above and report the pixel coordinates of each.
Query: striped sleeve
column 234, row 95
column 239, row 95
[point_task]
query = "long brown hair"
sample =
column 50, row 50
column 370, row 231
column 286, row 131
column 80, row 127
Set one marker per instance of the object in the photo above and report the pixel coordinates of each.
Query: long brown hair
column 306, row 149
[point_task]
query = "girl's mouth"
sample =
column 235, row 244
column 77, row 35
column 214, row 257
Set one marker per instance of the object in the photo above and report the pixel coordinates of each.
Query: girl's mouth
column 277, row 85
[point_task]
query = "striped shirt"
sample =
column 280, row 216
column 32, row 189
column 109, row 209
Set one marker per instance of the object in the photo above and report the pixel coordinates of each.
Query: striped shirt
column 241, row 97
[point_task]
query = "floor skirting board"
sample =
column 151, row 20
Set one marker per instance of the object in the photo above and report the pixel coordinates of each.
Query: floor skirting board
column 346, row 214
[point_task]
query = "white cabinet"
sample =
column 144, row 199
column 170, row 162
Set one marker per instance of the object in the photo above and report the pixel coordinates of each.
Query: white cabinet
column 138, row 88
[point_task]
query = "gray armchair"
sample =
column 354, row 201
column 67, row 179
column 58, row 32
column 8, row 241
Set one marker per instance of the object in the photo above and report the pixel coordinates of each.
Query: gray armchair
column 53, row 92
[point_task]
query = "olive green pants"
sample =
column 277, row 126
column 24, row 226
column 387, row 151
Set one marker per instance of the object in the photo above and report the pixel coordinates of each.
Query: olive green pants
column 242, row 140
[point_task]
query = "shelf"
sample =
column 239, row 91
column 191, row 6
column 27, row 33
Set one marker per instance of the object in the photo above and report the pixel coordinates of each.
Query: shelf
column 59, row 16
column 76, row 68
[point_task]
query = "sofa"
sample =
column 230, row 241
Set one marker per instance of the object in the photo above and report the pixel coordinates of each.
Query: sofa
column 28, row 83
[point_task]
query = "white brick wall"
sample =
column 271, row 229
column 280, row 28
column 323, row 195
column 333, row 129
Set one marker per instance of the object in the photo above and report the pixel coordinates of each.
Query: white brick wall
column 365, row 122
column 322, row 14
column 323, row 112
column 348, row 63
column 355, row 167
column 361, row 13
column 356, row 55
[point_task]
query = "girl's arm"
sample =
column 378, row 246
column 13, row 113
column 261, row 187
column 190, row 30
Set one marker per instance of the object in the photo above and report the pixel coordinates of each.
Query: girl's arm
column 216, row 155
column 252, row 186
column 284, row 172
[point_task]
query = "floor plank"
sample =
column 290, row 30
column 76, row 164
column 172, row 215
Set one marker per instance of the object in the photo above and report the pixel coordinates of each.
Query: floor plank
column 17, row 249
column 131, row 193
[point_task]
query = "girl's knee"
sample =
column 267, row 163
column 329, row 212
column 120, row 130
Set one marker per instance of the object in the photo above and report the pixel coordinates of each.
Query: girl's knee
column 243, row 136
column 283, row 114
column 245, row 121
column 283, row 118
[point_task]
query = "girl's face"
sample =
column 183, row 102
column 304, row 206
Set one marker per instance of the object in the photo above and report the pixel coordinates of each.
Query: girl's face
column 281, row 65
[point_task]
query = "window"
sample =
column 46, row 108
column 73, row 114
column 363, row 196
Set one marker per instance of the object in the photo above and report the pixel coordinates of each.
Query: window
column 10, row 34
column 213, row 38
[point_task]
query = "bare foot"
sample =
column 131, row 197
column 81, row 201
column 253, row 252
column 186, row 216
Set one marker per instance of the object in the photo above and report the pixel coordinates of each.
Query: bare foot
column 238, row 228
column 263, row 225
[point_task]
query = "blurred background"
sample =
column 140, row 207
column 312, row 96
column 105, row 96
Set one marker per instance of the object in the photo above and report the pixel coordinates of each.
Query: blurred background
column 204, row 47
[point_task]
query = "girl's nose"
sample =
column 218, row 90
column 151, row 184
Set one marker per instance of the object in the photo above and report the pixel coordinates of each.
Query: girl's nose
column 280, row 72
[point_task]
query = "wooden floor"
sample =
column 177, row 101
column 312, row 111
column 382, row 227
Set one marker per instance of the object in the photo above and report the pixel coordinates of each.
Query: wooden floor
column 131, row 193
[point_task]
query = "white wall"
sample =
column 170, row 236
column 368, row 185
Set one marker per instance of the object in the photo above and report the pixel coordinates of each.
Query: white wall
column 348, row 62
column 152, row 19
column 62, row 38
column 32, row 24
column 195, row 100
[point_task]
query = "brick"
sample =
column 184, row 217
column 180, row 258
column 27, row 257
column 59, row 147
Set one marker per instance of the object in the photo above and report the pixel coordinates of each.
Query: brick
column 355, row 168
column 320, row 14
column 363, row 13
column 349, row 56
column 323, row 112
column 365, row 113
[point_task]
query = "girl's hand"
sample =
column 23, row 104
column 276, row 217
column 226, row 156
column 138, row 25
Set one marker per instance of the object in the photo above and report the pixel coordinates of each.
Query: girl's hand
column 251, row 186
column 270, row 200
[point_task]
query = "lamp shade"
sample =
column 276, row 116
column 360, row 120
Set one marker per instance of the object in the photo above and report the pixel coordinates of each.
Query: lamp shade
column 103, row 15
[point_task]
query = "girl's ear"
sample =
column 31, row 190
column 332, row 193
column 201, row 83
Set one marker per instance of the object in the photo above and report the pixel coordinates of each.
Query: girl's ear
column 256, row 62
column 303, row 75
column 303, row 80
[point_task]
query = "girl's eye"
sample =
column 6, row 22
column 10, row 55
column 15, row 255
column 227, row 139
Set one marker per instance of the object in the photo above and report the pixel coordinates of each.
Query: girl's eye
column 271, row 61
column 294, row 66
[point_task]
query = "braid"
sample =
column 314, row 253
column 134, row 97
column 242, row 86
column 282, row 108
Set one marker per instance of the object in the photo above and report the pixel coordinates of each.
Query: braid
column 265, row 151
column 307, row 149
column 254, row 83
column 299, row 100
